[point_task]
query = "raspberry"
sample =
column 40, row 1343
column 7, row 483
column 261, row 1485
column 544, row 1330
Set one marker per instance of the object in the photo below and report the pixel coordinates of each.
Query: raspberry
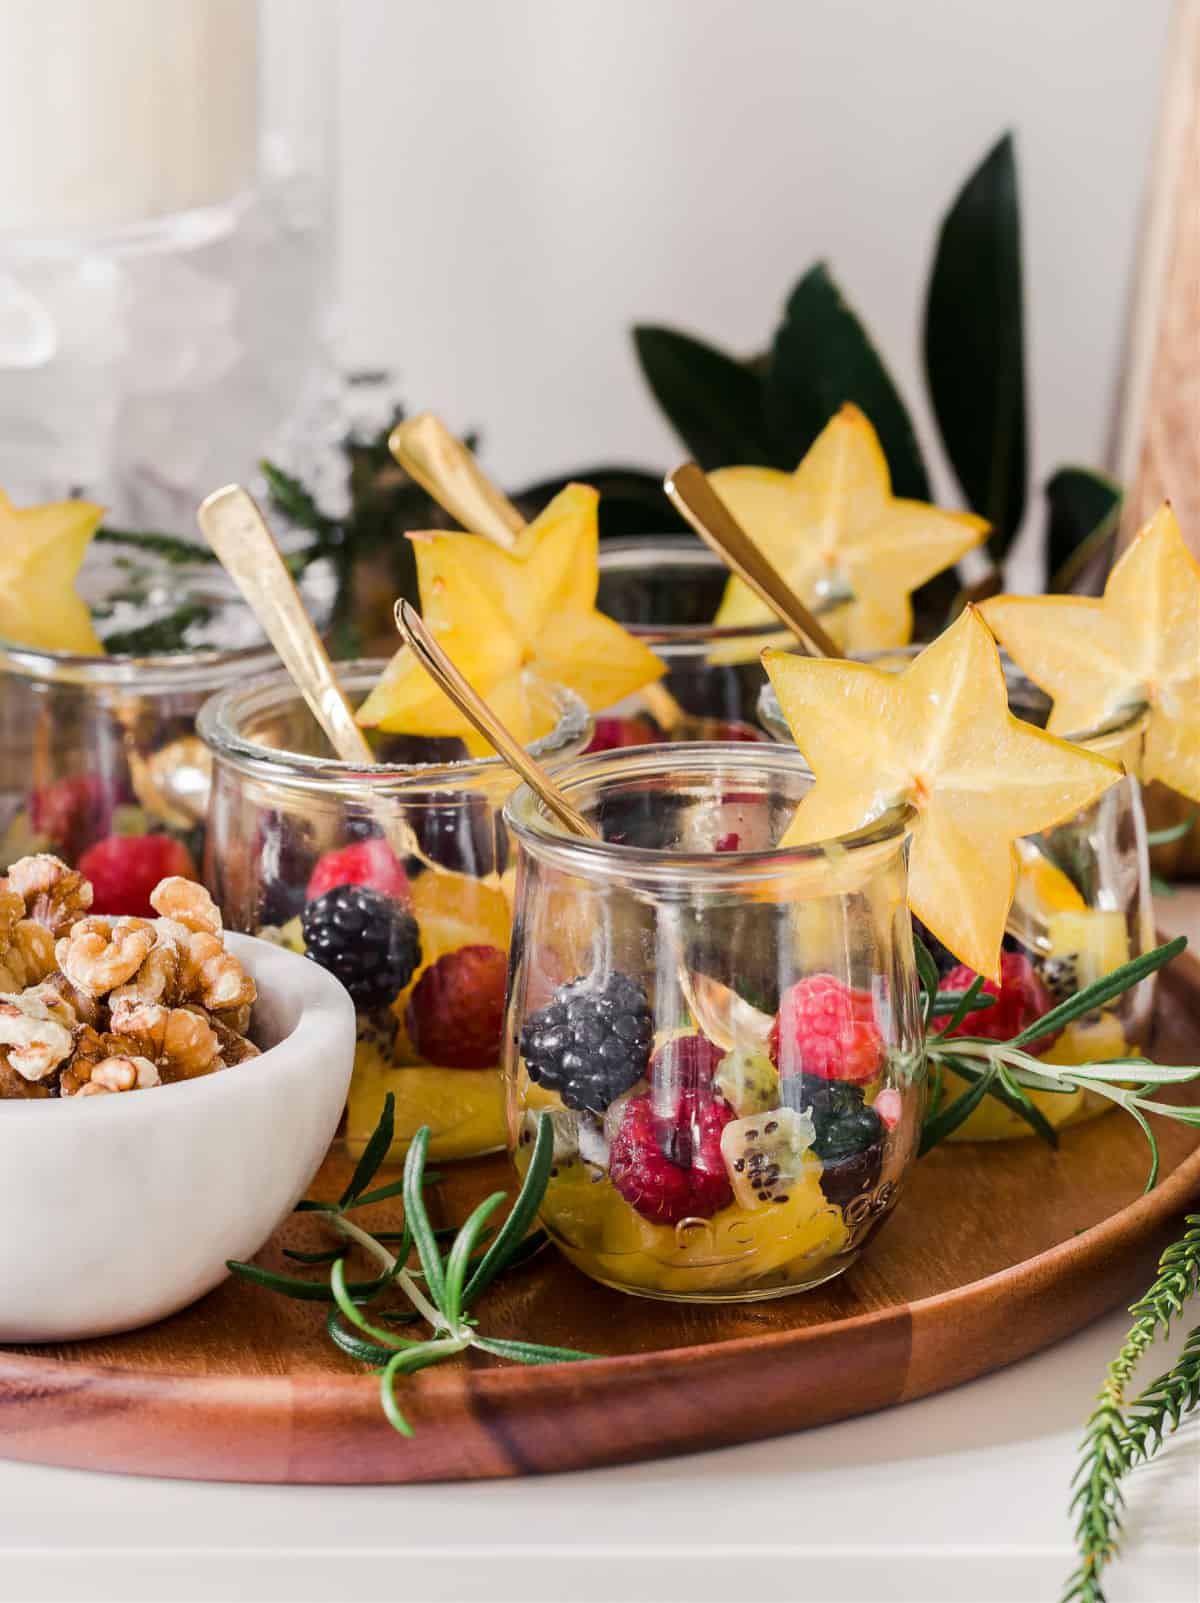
column 1020, row 998
column 824, row 1028
column 455, row 1016
column 72, row 812
column 658, row 1188
column 369, row 862
column 591, row 1042
column 681, row 1072
column 124, row 869
column 368, row 941
column 610, row 733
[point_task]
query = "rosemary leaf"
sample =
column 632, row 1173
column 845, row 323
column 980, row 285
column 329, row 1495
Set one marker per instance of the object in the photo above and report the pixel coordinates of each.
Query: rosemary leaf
column 524, row 1209
column 947, row 1001
column 460, row 1253
column 417, row 1218
column 303, row 1290
column 1101, row 991
column 927, row 973
column 965, row 1005
column 375, row 1151
column 348, row 1309
column 529, row 1352
column 942, row 1124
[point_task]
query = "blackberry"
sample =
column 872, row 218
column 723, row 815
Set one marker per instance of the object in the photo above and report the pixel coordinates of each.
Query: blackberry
column 827, row 1100
column 591, row 1043
column 368, row 941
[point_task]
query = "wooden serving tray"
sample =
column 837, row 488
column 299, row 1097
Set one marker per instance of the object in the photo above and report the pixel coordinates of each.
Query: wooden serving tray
column 994, row 1252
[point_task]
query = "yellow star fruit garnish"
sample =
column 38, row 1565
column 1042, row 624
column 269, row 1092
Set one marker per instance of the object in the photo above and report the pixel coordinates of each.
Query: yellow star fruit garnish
column 940, row 737
column 834, row 530
column 41, row 549
column 514, row 624
column 1137, row 644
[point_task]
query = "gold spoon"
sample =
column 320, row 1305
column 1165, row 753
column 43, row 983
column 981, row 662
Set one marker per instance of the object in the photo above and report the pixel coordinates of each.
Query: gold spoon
column 724, row 1017
column 246, row 549
column 689, row 491
column 445, row 469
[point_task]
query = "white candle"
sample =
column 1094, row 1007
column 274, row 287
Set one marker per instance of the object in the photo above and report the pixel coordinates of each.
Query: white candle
column 114, row 112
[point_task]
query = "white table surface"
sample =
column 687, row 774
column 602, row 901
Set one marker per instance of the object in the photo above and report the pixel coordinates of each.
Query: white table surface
column 960, row 1498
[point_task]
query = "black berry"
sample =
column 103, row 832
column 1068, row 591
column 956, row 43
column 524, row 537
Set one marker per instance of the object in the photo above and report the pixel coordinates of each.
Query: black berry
column 369, row 941
column 591, row 1043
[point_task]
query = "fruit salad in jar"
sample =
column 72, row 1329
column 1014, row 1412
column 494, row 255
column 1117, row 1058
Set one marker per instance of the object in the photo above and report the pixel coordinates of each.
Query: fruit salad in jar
column 107, row 652
column 724, row 1041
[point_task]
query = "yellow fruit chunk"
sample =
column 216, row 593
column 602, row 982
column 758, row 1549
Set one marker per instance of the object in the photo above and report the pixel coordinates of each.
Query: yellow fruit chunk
column 599, row 1231
column 834, row 529
column 1138, row 643
column 464, row 1108
column 514, row 624
column 41, row 549
column 454, row 910
column 1042, row 886
column 940, row 737
column 1097, row 939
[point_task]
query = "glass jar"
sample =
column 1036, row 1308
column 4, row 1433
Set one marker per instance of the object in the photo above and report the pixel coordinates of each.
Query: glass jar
column 666, row 589
column 289, row 825
column 725, row 1035
column 95, row 750
column 1082, row 907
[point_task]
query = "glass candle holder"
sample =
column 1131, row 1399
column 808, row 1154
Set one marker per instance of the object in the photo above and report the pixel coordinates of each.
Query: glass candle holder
column 1082, row 907
column 396, row 877
column 666, row 590
column 725, row 1035
column 96, row 750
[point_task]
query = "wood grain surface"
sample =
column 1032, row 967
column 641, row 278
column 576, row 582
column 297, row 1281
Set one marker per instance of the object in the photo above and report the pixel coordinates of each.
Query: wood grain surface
column 994, row 1252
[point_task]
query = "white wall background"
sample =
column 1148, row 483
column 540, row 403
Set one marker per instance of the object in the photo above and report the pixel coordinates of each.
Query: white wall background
column 523, row 179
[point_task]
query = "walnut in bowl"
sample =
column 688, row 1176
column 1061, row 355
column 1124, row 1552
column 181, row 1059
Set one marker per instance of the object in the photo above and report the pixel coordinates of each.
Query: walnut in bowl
column 123, row 1209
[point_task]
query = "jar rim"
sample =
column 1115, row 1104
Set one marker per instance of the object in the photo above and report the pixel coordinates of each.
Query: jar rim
column 219, row 721
column 633, row 553
column 209, row 667
column 1023, row 695
column 535, row 826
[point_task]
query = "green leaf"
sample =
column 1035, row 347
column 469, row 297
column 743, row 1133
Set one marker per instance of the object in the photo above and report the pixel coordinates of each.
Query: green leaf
column 821, row 358
column 1083, row 514
column 1173, row 832
column 712, row 401
column 965, row 1005
column 1101, row 991
column 632, row 501
column 460, row 1253
column 947, row 1002
column 974, row 344
column 304, row 1290
column 530, row 1352
column 961, row 1109
column 927, row 974
column 293, row 501
column 417, row 1219
column 375, row 1151
column 512, row 1231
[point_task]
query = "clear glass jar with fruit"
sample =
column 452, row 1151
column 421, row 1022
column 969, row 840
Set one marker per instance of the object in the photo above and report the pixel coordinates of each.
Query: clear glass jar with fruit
column 725, row 1033
column 1082, row 907
column 104, row 664
column 665, row 590
column 396, row 878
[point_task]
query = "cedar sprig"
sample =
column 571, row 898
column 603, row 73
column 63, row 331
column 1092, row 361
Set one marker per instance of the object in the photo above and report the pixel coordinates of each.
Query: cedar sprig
column 440, row 1287
column 1119, row 1436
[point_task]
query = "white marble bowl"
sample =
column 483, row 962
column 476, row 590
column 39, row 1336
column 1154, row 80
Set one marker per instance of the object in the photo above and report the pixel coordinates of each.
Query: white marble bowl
column 118, row 1210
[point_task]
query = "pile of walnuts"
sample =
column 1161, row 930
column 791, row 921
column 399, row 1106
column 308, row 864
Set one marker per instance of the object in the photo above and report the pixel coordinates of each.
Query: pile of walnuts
column 91, row 1005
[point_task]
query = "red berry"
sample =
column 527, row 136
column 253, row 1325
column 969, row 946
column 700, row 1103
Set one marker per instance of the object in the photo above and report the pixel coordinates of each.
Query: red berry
column 369, row 862
column 681, row 1075
column 455, row 1016
column 72, row 812
column 610, row 733
column 657, row 1187
column 124, row 869
column 825, row 1028
column 727, row 843
column 1020, row 998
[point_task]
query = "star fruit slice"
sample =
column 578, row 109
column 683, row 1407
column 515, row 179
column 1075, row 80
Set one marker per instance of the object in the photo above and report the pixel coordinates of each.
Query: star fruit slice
column 834, row 529
column 41, row 549
column 940, row 737
column 515, row 624
column 1137, row 644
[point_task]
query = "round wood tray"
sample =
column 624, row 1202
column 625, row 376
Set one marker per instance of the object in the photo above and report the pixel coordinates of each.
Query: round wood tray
column 993, row 1253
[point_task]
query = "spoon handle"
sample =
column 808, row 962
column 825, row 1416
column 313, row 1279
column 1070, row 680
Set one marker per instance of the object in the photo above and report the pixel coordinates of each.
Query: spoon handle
column 691, row 494
column 444, row 468
column 474, row 708
column 237, row 532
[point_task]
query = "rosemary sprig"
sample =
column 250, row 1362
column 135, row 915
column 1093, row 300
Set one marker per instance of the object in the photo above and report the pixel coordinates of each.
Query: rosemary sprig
column 1117, row 1438
column 1006, row 1071
column 439, row 1288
